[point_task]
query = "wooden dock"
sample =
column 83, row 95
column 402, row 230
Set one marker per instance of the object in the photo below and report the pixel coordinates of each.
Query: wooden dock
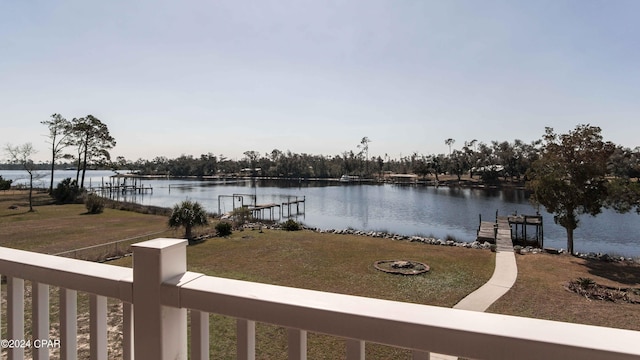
column 487, row 231
column 522, row 222
column 259, row 210
column 502, row 233
column 266, row 211
column 288, row 204
column 118, row 187
column 124, row 189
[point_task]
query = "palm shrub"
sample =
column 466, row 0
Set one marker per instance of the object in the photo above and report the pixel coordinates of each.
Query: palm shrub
column 188, row 214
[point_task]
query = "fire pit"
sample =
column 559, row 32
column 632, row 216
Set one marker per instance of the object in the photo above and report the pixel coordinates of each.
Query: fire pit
column 402, row 267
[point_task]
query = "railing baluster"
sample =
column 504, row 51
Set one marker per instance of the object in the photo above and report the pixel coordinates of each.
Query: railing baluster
column 68, row 324
column 246, row 339
column 98, row 327
column 0, row 301
column 419, row 355
column 355, row 349
column 127, row 331
column 297, row 344
column 15, row 315
column 199, row 335
column 40, row 318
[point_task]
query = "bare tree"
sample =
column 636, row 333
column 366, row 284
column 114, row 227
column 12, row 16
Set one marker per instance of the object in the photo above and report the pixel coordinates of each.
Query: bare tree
column 21, row 155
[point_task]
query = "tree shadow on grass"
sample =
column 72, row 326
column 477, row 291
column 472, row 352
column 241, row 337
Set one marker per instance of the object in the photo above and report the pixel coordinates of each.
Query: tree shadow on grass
column 17, row 213
column 619, row 272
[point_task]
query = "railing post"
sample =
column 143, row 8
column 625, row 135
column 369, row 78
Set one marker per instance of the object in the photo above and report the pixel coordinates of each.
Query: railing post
column 160, row 332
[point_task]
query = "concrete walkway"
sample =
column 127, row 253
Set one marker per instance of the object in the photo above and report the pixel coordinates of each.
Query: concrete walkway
column 504, row 276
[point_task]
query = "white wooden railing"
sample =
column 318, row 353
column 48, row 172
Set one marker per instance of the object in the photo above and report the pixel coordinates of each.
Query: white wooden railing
column 161, row 290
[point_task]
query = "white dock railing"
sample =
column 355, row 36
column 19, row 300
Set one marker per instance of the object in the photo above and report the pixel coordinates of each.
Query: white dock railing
column 161, row 290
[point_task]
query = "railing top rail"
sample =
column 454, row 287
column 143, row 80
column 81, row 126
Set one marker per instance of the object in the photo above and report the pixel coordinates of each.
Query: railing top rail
column 95, row 278
column 413, row 326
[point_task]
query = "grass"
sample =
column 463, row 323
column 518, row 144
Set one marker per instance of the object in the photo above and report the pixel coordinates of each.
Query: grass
column 330, row 262
column 539, row 291
column 342, row 264
column 334, row 263
column 56, row 228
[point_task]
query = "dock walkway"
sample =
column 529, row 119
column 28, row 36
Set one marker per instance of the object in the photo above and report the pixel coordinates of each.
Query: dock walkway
column 487, row 231
column 503, row 278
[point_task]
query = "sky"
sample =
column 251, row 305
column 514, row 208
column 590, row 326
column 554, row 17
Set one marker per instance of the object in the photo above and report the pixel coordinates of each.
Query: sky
column 194, row 77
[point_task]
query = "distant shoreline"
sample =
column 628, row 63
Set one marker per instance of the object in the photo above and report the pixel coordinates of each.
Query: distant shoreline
column 465, row 182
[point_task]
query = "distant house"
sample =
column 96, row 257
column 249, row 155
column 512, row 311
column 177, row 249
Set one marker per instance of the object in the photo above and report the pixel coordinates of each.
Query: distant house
column 250, row 171
column 349, row 178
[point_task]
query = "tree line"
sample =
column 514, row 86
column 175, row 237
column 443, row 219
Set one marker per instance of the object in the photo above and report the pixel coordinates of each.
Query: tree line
column 569, row 174
column 86, row 142
column 491, row 163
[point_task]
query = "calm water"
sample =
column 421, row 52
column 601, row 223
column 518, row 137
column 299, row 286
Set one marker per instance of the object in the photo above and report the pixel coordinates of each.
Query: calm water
column 404, row 210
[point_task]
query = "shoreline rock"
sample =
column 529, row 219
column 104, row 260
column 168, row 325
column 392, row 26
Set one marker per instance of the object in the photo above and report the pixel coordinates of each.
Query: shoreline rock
column 441, row 242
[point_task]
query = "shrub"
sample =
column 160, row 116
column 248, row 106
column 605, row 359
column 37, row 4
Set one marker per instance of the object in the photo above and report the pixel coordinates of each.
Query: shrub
column 223, row 228
column 241, row 215
column 490, row 177
column 66, row 192
column 94, row 204
column 5, row 184
column 291, row 225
